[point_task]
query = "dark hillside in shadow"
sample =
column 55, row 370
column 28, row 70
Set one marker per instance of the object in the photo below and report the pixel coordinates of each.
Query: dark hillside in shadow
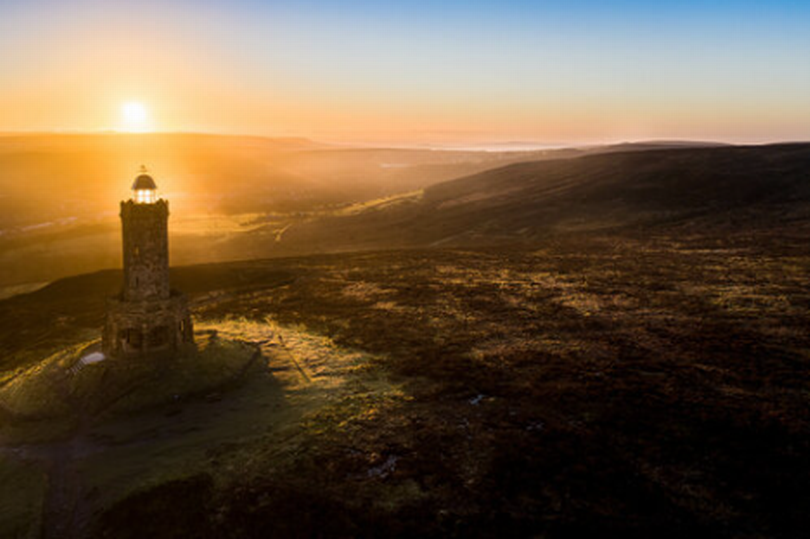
column 762, row 187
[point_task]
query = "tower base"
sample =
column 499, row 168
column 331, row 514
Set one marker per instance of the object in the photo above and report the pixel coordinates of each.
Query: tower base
column 157, row 328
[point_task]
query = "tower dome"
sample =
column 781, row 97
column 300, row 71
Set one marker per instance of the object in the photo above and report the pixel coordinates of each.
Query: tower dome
column 144, row 188
column 143, row 181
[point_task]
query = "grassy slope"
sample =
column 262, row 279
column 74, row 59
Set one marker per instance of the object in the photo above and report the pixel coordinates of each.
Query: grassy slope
column 614, row 384
column 609, row 386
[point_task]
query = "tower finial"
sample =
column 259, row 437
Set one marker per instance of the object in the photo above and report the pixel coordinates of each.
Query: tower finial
column 143, row 169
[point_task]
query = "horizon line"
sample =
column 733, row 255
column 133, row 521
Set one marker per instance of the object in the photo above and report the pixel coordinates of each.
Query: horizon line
column 469, row 145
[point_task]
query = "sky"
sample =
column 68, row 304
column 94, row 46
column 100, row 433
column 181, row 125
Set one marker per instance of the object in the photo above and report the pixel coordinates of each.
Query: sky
column 420, row 71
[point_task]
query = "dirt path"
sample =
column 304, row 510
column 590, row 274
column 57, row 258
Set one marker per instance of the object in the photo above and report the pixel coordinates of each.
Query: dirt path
column 64, row 511
column 67, row 508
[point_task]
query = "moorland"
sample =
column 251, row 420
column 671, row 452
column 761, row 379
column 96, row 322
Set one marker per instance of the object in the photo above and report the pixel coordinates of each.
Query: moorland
column 612, row 343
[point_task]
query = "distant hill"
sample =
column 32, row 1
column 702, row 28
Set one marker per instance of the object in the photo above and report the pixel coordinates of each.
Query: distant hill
column 45, row 178
column 59, row 193
column 243, row 197
column 716, row 187
column 48, row 177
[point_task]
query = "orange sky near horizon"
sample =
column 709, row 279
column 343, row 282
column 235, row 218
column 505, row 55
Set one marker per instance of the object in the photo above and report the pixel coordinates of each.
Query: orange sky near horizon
column 207, row 67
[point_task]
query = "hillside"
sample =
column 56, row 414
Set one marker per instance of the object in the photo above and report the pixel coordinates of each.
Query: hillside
column 74, row 177
column 596, row 385
column 626, row 357
column 49, row 177
column 731, row 188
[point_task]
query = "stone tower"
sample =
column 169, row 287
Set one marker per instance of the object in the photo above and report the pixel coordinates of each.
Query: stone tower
column 147, row 319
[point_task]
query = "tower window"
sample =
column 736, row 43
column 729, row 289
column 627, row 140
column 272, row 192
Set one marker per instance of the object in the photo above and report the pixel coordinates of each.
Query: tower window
column 159, row 336
column 145, row 196
column 134, row 338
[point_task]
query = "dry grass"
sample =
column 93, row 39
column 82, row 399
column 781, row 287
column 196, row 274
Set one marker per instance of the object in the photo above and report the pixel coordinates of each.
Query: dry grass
column 626, row 387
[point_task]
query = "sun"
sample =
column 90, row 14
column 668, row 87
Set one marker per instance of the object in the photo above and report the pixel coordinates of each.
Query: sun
column 134, row 117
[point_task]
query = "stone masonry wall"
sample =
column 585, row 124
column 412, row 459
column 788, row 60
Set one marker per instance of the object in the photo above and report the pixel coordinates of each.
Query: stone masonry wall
column 146, row 250
column 148, row 319
column 154, row 328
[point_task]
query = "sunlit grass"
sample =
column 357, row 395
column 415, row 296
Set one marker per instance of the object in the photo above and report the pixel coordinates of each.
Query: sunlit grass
column 39, row 392
column 378, row 203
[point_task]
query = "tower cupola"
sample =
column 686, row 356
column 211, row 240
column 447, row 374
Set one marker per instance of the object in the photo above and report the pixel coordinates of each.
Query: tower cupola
column 144, row 189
